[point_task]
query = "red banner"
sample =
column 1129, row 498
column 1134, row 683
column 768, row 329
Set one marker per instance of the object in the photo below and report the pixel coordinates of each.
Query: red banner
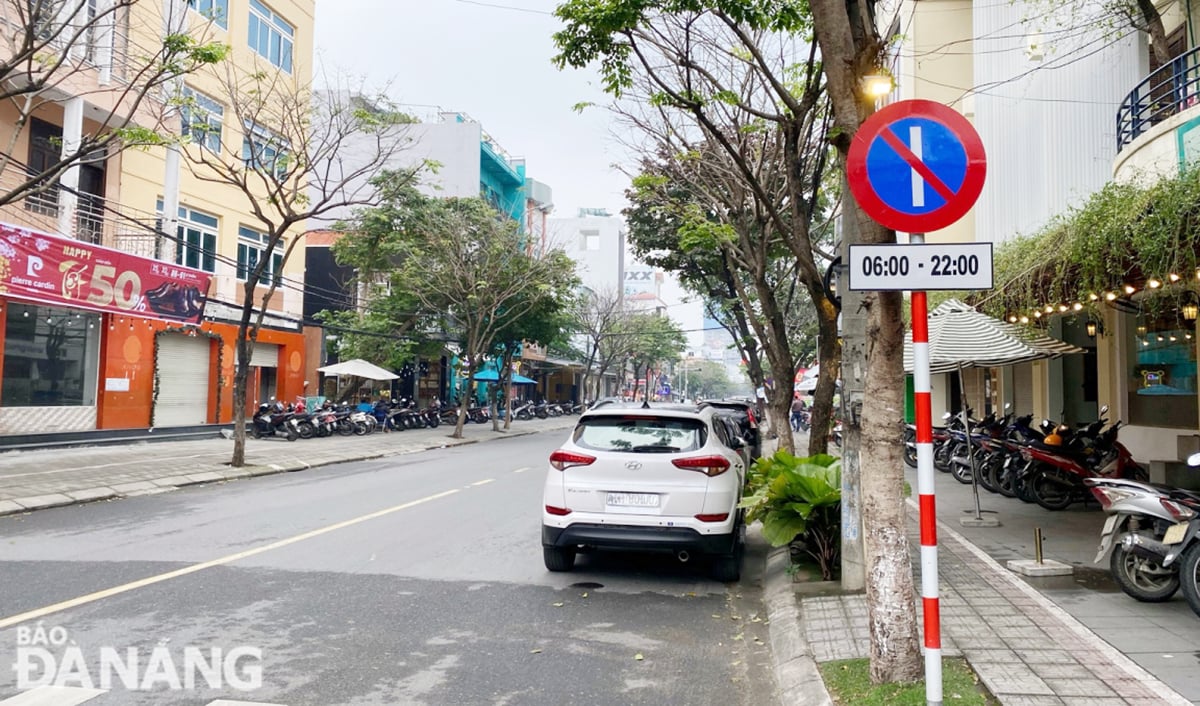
column 51, row 269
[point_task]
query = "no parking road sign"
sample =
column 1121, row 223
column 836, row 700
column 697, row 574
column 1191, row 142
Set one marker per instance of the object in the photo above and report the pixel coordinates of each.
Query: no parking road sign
column 916, row 166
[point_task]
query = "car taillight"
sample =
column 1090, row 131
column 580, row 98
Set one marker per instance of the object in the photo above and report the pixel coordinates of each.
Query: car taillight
column 708, row 465
column 753, row 421
column 562, row 460
column 560, row 511
column 718, row 517
column 1179, row 512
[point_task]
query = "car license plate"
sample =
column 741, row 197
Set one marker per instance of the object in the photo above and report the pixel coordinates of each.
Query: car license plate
column 632, row 500
column 1175, row 534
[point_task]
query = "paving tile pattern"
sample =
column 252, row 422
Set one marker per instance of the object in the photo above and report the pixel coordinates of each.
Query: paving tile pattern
column 1026, row 651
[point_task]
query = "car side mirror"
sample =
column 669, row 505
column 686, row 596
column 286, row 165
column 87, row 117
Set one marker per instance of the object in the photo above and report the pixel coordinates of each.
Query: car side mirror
column 1104, row 410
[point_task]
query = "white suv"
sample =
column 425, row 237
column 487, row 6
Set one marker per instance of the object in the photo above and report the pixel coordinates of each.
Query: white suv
column 661, row 478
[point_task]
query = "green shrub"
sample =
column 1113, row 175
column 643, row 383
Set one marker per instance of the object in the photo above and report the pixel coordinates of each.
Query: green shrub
column 798, row 500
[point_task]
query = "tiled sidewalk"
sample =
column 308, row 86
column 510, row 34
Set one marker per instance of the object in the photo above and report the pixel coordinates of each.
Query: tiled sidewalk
column 1026, row 650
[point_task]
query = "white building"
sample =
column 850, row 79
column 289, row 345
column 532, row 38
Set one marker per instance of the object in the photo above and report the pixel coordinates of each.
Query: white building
column 595, row 240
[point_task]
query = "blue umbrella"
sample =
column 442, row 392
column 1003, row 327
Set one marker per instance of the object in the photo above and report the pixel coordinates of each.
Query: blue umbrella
column 493, row 376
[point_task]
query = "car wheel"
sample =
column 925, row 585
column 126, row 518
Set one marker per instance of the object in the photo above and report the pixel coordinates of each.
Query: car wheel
column 727, row 568
column 559, row 558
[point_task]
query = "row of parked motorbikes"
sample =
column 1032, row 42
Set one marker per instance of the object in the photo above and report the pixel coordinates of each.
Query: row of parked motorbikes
column 274, row 418
column 1152, row 534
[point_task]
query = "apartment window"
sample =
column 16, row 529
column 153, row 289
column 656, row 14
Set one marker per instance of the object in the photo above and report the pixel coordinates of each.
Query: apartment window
column 215, row 10
column 263, row 149
column 252, row 247
column 271, row 36
column 196, row 244
column 202, row 119
column 591, row 239
column 45, row 151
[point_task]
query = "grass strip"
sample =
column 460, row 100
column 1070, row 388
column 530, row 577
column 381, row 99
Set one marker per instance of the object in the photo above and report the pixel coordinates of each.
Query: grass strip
column 849, row 683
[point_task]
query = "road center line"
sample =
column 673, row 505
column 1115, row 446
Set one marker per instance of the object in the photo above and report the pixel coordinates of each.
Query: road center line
column 522, row 469
column 151, row 580
column 484, row 481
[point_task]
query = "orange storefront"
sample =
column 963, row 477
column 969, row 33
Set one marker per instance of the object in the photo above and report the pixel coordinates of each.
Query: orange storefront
column 73, row 370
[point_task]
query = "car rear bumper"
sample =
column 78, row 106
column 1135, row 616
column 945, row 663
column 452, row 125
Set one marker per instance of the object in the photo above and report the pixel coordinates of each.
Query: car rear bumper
column 638, row 538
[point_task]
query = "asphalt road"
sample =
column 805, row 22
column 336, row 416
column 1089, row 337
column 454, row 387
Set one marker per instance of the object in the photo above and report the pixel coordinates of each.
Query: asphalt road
column 412, row 580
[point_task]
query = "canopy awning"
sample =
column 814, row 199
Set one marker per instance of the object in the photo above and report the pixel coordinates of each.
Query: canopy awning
column 493, row 376
column 358, row 368
column 960, row 337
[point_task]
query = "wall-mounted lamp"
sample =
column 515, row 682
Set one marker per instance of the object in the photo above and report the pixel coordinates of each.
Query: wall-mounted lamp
column 876, row 86
column 1094, row 327
column 1190, row 307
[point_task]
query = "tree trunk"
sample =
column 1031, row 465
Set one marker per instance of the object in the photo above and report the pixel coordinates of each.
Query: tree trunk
column 1157, row 32
column 895, row 653
column 851, row 48
column 245, row 343
column 829, row 353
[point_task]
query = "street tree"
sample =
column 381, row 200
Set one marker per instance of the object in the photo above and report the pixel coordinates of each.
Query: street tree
column 596, row 314
column 650, row 341
column 703, row 378
column 622, row 36
column 305, row 155
column 547, row 321
column 115, row 55
column 848, row 36
column 466, row 266
column 738, row 108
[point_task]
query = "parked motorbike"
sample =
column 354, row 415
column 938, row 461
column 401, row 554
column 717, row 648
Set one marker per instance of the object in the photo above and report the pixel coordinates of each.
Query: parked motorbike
column 1055, row 473
column 1153, row 533
column 273, row 419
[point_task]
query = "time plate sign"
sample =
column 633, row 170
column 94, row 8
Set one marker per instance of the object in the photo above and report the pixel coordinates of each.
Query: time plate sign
column 922, row 267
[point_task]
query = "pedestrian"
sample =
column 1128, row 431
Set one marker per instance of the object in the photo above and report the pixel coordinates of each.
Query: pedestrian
column 797, row 411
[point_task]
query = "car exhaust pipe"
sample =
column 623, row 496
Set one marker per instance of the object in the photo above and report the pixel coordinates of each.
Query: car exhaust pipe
column 682, row 556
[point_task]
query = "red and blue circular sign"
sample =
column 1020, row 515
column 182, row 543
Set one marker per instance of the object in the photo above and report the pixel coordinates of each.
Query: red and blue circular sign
column 916, row 166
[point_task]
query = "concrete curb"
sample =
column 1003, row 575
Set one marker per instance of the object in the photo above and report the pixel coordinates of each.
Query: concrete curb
column 17, row 506
column 796, row 673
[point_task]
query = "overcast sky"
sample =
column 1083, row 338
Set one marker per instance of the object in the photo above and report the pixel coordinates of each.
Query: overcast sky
column 493, row 64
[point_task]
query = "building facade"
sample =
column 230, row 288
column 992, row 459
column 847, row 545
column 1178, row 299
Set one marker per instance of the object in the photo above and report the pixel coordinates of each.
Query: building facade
column 71, row 368
column 1063, row 105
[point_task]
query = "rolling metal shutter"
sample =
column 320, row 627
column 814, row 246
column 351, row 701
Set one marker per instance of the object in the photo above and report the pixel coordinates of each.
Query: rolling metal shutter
column 183, row 386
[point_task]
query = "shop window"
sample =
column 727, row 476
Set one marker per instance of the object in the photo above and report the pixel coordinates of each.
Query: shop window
column 51, row 357
column 1161, row 370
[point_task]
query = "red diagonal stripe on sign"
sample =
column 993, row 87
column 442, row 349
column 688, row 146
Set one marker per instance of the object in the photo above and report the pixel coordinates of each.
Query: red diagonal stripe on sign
column 915, row 162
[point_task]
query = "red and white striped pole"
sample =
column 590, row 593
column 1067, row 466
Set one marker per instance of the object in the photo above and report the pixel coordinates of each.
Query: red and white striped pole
column 925, row 491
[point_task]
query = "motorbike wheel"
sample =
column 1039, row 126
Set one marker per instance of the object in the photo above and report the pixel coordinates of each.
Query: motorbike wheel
column 306, row 430
column 1023, row 487
column 960, row 471
column 292, row 434
column 1004, row 480
column 1049, row 493
column 988, row 472
column 345, row 427
column 361, row 428
column 433, row 421
column 941, row 457
column 523, row 414
column 1141, row 578
column 910, row 454
column 1189, row 576
column 254, row 431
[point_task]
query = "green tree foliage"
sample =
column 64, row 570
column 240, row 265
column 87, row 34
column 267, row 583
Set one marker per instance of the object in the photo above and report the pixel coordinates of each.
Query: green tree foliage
column 703, row 378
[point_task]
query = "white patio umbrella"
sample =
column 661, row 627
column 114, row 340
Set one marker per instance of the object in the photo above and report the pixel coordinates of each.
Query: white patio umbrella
column 960, row 337
column 358, row 368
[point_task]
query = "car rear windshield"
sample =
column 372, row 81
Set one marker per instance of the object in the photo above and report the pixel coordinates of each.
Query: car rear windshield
column 641, row 434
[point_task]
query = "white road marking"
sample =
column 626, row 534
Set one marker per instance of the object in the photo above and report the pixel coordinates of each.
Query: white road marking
column 522, row 469
column 484, row 482
column 918, row 184
column 53, row 696
column 151, row 580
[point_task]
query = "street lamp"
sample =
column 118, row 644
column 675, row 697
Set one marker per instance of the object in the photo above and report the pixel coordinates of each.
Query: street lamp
column 876, row 86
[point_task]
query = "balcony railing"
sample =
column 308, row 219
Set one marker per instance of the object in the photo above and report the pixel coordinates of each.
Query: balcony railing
column 1169, row 90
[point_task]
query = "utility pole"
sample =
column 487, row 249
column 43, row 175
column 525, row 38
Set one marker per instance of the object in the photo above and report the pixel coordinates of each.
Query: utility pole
column 854, row 369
